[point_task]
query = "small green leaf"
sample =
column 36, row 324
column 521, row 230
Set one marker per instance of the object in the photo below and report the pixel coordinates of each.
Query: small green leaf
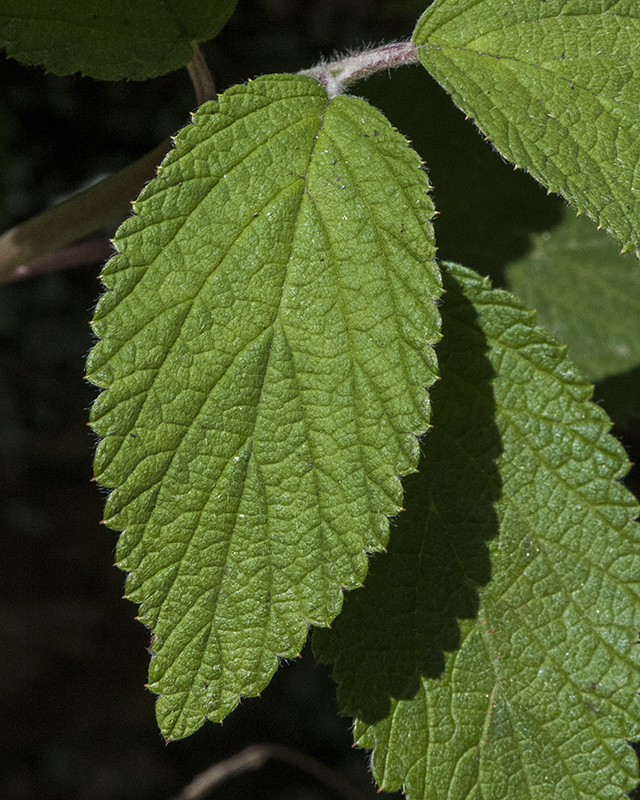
column 555, row 86
column 585, row 292
column 266, row 347
column 519, row 479
column 109, row 39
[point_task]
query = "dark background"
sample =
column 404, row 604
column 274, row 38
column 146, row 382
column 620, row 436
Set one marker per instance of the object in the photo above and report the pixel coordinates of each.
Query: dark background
column 77, row 722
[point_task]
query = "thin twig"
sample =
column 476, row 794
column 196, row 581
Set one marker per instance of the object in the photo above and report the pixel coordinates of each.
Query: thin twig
column 41, row 243
column 201, row 78
column 75, row 255
column 254, row 757
column 105, row 203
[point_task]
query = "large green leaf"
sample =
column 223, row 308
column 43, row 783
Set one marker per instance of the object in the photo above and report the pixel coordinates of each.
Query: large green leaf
column 555, row 85
column 109, row 39
column 585, row 292
column 266, row 347
column 518, row 482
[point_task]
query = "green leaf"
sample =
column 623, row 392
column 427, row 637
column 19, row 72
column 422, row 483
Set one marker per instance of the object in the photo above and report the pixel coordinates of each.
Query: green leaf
column 585, row 292
column 519, row 480
column 555, row 86
column 109, row 39
column 266, row 347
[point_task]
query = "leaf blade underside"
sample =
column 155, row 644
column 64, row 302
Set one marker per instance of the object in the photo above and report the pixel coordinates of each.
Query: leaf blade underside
column 556, row 87
column 264, row 389
column 541, row 693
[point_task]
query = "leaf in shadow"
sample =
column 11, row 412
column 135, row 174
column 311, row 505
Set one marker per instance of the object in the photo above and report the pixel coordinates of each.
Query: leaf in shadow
column 397, row 628
column 584, row 292
column 541, row 696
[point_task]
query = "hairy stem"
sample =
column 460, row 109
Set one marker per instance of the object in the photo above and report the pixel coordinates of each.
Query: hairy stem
column 337, row 75
column 31, row 247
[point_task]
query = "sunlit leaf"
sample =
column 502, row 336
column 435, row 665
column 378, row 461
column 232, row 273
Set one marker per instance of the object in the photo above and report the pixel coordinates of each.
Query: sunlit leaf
column 265, row 347
column 555, row 85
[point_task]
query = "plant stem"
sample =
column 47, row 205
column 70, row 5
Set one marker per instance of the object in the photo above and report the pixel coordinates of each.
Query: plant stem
column 41, row 244
column 92, row 251
column 254, row 757
column 201, row 78
column 31, row 247
column 105, row 203
column 337, row 75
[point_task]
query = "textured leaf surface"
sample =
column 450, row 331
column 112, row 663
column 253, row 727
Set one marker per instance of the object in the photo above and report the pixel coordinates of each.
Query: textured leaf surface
column 265, row 345
column 109, row 39
column 586, row 293
column 518, row 480
column 556, row 87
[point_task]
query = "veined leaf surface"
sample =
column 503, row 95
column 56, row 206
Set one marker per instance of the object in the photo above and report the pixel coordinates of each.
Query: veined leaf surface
column 265, row 344
column 518, row 482
column 556, row 87
column 109, row 39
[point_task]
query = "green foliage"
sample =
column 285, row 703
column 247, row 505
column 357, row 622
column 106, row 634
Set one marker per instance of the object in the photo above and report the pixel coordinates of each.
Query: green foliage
column 556, row 87
column 586, row 293
column 268, row 336
column 109, row 39
column 516, row 493
column 265, row 347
